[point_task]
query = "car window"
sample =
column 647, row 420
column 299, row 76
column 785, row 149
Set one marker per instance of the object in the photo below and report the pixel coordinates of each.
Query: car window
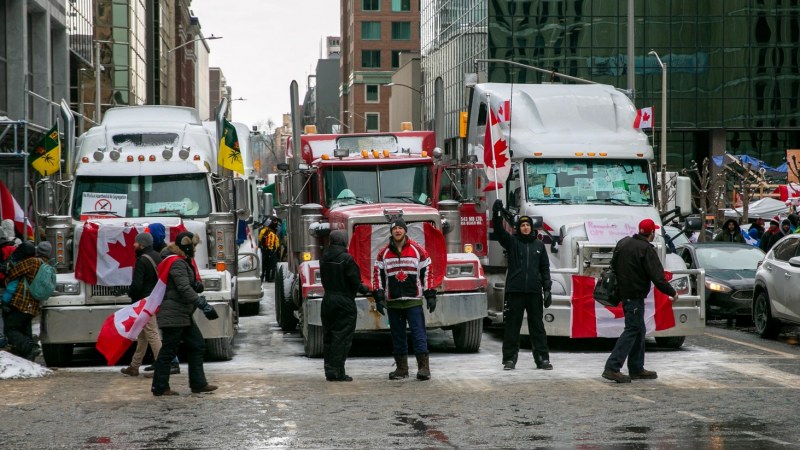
column 786, row 249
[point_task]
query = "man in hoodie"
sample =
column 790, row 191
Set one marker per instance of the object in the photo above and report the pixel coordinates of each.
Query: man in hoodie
column 730, row 232
column 527, row 289
column 341, row 279
column 145, row 277
column 175, row 318
column 771, row 235
column 401, row 277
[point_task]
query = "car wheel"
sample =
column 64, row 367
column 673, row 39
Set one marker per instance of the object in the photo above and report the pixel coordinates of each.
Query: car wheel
column 766, row 326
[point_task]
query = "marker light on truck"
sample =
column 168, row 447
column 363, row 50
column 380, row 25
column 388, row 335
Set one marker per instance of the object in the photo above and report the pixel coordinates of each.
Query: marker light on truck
column 375, row 154
column 141, row 158
column 152, row 157
column 467, row 248
column 130, row 158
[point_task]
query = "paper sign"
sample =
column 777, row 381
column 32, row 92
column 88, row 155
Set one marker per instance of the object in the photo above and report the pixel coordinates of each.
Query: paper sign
column 96, row 205
column 607, row 232
column 551, row 180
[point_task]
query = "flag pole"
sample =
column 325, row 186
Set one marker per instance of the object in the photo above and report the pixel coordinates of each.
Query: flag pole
column 26, row 186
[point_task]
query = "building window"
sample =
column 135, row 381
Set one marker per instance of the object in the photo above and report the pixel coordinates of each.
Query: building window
column 401, row 5
column 396, row 58
column 371, row 59
column 373, row 121
column 401, row 31
column 372, row 93
column 370, row 31
column 370, row 5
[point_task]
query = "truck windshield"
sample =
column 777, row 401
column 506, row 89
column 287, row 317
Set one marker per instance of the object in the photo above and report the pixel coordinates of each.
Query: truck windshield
column 572, row 181
column 390, row 183
column 184, row 195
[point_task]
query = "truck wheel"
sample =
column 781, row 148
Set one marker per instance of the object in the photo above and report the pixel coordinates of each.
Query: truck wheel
column 766, row 326
column 220, row 349
column 249, row 309
column 284, row 312
column 312, row 340
column 57, row 355
column 670, row 342
column 467, row 336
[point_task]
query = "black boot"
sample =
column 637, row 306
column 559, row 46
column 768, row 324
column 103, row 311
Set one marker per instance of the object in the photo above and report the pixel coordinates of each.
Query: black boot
column 542, row 361
column 402, row 367
column 423, row 367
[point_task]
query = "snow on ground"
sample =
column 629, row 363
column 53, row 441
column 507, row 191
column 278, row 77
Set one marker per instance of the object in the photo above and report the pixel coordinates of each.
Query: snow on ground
column 12, row 366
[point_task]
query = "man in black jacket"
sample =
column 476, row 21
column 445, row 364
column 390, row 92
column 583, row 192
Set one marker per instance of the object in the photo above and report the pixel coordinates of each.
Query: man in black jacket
column 527, row 289
column 636, row 265
column 145, row 277
column 341, row 279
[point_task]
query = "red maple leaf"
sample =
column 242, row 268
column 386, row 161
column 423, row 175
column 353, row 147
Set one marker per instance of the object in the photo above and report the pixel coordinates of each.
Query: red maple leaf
column 500, row 159
column 401, row 276
column 616, row 311
column 123, row 252
column 128, row 323
column 646, row 117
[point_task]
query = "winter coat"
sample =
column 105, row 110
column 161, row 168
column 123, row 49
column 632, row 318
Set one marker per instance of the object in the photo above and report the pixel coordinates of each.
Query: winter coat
column 769, row 239
column 528, row 263
column 403, row 273
column 636, row 266
column 339, row 272
column 180, row 299
column 145, row 274
column 726, row 236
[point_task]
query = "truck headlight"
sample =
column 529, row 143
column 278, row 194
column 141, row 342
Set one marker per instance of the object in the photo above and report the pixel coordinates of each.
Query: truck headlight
column 247, row 263
column 68, row 288
column 716, row 286
column 460, row 270
column 212, row 284
column 681, row 285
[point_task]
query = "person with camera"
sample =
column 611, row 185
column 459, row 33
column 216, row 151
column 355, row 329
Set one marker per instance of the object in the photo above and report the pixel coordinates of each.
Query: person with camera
column 175, row 320
column 341, row 279
column 527, row 289
column 636, row 265
column 401, row 277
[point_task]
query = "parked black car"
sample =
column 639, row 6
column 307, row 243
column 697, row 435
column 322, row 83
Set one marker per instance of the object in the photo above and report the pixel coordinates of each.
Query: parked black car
column 730, row 276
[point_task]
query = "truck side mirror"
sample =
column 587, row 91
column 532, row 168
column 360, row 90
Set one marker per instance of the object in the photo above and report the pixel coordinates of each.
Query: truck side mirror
column 242, row 205
column 268, row 204
column 282, row 188
column 693, row 223
column 44, row 198
column 683, row 195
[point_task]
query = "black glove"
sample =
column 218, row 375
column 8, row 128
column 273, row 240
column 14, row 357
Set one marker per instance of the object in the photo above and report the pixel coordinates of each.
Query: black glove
column 497, row 206
column 207, row 309
column 380, row 306
column 363, row 289
column 380, row 295
column 547, row 299
column 430, row 298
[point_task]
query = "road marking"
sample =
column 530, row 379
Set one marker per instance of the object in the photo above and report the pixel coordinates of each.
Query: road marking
column 778, row 377
column 767, row 438
column 695, row 416
column 765, row 349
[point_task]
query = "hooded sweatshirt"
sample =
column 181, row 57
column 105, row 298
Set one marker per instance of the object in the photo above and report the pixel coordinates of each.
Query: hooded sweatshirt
column 727, row 236
column 338, row 270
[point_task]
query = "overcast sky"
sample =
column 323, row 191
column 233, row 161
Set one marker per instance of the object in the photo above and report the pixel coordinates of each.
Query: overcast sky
column 266, row 44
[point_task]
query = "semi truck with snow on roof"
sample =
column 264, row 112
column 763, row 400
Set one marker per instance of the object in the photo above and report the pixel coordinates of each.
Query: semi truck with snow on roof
column 569, row 156
column 142, row 165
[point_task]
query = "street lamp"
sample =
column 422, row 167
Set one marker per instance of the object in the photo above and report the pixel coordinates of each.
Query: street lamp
column 340, row 122
column 663, row 130
column 202, row 38
column 352, row 113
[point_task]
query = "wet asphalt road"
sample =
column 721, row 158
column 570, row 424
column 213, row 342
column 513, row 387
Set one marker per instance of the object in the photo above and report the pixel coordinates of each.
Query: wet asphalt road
column 726, row 389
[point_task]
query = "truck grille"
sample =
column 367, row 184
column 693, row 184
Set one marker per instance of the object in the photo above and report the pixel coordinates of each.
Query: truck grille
column 108, row 291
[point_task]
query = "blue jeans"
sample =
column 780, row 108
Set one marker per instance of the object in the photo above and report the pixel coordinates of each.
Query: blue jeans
column 630, row 344
column 415, row 317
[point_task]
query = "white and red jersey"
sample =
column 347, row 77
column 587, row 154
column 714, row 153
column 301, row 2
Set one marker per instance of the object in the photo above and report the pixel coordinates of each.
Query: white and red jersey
column 402, row 276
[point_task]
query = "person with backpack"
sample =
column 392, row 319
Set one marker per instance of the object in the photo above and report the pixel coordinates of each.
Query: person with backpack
column 33, row 288
column 145, row 278
column 270, row 244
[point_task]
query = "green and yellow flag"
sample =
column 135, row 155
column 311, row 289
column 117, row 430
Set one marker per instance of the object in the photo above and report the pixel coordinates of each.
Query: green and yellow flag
column 46, row 158
column 230, row 157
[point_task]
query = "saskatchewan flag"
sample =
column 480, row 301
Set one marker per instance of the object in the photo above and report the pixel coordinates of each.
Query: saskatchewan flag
column 46, row 158
column 230, row 157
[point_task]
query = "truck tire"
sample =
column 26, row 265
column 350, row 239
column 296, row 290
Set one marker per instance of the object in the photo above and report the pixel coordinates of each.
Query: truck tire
column 284, row 311
column 249, row 309
column 220, row 349
column 670, row 342
column 57, row 355
column 467, row 336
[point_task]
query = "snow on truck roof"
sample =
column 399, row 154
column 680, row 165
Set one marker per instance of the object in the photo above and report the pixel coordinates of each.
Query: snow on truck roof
column 151, row 113
column 565, row 118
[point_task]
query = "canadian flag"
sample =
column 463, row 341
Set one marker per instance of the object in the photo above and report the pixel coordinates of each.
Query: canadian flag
column 368, row 239
column 123, row 327
column 644, row 118
column 495, row 151
column 105, row 253
column 10, row 209
column 591, row 319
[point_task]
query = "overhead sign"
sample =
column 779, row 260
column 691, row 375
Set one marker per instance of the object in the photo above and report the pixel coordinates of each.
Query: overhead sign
column 606, row 232
column 96, row 205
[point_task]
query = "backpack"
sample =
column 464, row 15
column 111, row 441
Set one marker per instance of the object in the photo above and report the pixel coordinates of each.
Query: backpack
column 606, row 290
column 44, row 283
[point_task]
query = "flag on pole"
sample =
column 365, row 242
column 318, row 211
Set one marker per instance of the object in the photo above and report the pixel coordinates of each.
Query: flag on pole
column 10, row 209
column 644, row 118
column 230, row 157
column 591, row 319
column 46, row 157
column 122, row 328
column 495, row 152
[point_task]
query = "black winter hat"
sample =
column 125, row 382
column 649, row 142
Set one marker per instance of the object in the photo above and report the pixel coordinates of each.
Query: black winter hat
column 524, row 219
column 399, row 223
column 186, row 241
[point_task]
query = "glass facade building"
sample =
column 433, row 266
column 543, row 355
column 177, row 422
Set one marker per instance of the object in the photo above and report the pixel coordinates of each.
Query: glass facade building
column 733, row 66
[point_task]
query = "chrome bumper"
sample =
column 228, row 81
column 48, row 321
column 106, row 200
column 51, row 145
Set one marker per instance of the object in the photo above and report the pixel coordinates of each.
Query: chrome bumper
column 249, row 289
column 451, row 309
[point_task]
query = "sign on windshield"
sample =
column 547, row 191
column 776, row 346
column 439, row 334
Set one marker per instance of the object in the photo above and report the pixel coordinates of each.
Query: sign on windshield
column 588, row 181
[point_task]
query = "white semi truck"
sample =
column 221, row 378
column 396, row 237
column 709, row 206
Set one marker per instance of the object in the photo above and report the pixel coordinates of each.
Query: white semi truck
column 576, row 161
column 141, row 165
